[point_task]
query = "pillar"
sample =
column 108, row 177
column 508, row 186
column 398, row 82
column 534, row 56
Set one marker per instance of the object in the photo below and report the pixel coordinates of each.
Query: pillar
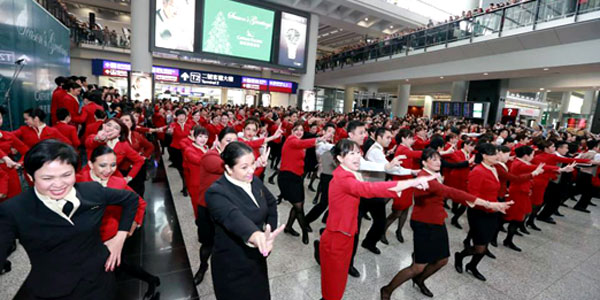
column 595, row 126
column 564, row 106
column 223, row 100
column 141, row 58
column 307, row 81
column 459, row 91
column 400, row 106
column 349, row 99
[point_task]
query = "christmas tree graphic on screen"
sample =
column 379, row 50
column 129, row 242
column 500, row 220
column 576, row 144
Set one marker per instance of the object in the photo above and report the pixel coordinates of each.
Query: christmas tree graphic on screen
column 218, row 38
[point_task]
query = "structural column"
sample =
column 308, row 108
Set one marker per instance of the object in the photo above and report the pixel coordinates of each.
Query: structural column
column 307, row 81
column 141, row 58
column 223, row 100
column 459, row 91
column 400, row 106
column 349, row 99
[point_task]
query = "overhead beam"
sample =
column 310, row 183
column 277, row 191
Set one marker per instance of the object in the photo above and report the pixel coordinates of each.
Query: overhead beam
column 125, row 7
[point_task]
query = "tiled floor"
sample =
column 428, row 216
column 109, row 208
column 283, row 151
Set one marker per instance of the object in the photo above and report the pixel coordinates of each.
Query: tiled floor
column 561, row 262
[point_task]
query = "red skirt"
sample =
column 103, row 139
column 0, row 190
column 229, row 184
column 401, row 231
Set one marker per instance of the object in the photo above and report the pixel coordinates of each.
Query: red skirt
column 335, row 252
column 537, row 195
column 520, row 208
column 404, row 201
column 14, row 184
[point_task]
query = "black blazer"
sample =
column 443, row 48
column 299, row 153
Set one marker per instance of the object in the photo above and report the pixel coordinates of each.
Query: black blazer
column 62, row 254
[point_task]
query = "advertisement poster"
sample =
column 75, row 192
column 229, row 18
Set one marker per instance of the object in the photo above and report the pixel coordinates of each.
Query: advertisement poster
column 237, row 29
column 292, row 40
column 174, row 24
column 140, row 86
column 308, row 100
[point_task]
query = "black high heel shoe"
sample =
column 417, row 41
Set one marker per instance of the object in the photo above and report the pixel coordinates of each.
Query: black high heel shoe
column 458, row 262
column 424, row 290
column 6, row 268
column 384, row 240
column 291, row 231
column 399, row 236
column 511, row 245
column 151, row 292
column 475, row 272
column 200, row 275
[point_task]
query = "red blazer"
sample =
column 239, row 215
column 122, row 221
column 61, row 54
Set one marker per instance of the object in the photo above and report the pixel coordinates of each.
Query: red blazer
column 483, row 184
column 30, row 137
column 159, row 121
column 429, row 204
column 92, row 128
column 420, row 143
column 110, row 221
column 520, row 192
column 412, row 161
column 192, row 159
column 123, row 151
column 88, row 112
column 57, row 95
column 141, row 145
column 70, row 102
column 340, row 134
column 7, row 142
column 3, row 184
column 213, row 132
column 293, row 152
column 70, row 132
column 211, row 168
column 457, row 177
column 179, row 133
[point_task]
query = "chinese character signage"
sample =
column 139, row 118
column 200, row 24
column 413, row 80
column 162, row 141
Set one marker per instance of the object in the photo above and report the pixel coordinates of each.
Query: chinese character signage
column 257, row 84
column 209, row 78
column 281, row 86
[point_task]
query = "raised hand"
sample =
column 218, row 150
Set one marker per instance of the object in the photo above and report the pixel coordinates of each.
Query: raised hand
column 500, row 206
column 539, row 170
column 270, row 237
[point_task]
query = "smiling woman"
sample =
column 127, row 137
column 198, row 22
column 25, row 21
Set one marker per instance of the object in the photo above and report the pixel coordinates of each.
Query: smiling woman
column 74, row 263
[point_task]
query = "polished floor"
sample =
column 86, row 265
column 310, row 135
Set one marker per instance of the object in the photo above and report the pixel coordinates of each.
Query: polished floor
column 561, row 262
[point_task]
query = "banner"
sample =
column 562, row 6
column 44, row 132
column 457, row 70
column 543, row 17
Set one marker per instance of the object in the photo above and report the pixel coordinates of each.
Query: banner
column 237, row 29
column 292, row 40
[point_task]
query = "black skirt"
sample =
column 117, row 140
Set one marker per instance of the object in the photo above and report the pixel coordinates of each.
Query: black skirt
column 206, row 227
column 291, row 186
column 482, row 226
column 430, row 241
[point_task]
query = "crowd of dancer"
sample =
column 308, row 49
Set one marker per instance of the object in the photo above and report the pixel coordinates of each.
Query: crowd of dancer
column 498, row 175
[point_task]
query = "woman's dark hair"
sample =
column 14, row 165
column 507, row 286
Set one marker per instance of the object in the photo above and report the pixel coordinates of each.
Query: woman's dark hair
column 429, row 153
column 99, row 151
column 2, row 110
column 342, row 148
column 523, row 150
column 504, row 149
column 36, row 112
column 470, row 142
column 225, row 131
column 298, row 123
column 48, row 151
column 329, row 125
column 124, row 134
column 403, row 134
column 133, row 124
column 233, row 152
column 62, row 113
column 179, row 112
column 437, row 141
column 508, row 140
column 484, row 149
column 251, row 121
column 199, row 130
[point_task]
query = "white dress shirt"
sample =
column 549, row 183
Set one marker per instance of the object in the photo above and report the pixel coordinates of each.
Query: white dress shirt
column 246, row 186
column 57, row 205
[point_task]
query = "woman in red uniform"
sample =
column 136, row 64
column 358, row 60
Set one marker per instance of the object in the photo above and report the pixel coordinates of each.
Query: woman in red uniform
column 192, row 158
column 431, row 246
column 483, row 183
column 251, row 127
column 210, row 169
column 36, row 130
column 103, row 164
column 400, row 206
column 345, row 190
column 179, row 130
column 458, row 177
column 8, row 142
column 114, row 134
column 143, row 147
column 290, row 180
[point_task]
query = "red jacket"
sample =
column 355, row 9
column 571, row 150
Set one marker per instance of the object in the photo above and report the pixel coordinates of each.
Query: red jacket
column 179, row 133
column 213, row 132
column 57, row 95
column 412, row 161
column 141, row 145
column 429, row 204
column 293, row 152
column 30, row 136
column 420, row 143
column 345, row 192
column 255, row 145
column 122, row 150
column 8, row 141
column 92, row 128
column 483, row 184
column 159, row 121
column 211, row 169
column 3, row 184
column 88, row 112
column 458, row 177
column 70, row 132
column 520, row 192
column 192, row 160
column 110, row 221
column 71, row 103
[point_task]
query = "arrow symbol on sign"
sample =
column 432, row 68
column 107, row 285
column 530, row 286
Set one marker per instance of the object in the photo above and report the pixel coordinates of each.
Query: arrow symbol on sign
column 185, row 76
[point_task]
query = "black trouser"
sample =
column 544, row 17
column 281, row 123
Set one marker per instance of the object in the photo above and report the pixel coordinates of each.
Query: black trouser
column 584, row 185
column 376, row 208
column 323, row 204
column 553, row 196
column 138, row 183
column 362, row 211
column 176, row 157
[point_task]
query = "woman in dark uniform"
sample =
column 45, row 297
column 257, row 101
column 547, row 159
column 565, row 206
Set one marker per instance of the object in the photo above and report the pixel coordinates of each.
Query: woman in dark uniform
column 431, row 246
column 58, row 224
column 244, row 211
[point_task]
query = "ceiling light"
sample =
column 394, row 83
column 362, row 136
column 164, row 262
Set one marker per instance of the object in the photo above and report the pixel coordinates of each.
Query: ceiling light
column 366, row 19
column 485, row 73
column 441, row 77
column 546, row 69
column 407, row 80
column 541, row 89
column 391, row 26
column 548, row 91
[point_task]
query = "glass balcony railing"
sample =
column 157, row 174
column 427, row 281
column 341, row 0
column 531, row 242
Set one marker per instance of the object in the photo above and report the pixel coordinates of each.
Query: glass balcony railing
column 523, row 14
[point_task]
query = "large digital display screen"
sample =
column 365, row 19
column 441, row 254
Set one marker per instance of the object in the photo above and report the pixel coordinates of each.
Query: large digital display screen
column 292, row 40
column 237, row 29
column 174, row 24
column 471, row 110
